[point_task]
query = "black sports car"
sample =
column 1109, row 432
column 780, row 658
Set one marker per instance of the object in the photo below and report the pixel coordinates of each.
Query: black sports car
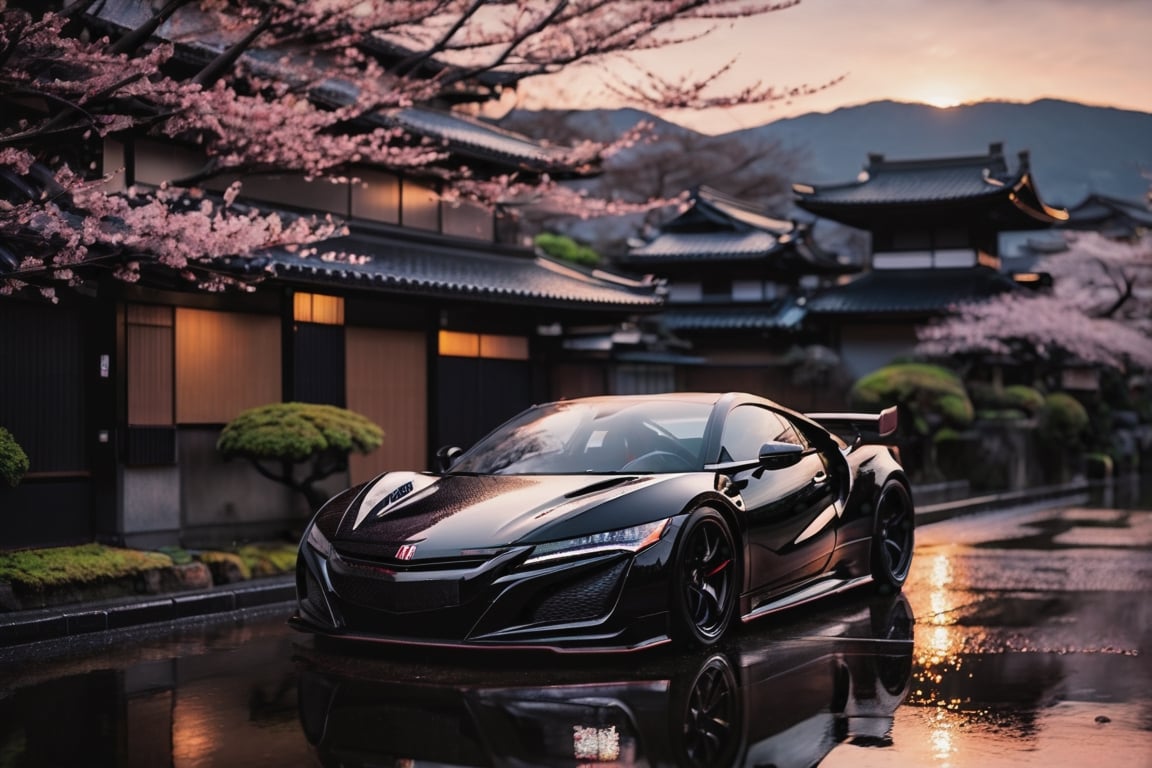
column 612, row 524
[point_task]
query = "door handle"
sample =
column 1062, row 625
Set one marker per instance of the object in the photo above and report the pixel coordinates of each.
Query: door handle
column 820, row 478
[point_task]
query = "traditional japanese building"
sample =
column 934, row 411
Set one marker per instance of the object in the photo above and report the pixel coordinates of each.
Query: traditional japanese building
column 426, row 317
column 737, row 281
column 1110, row 216
column 935, row 226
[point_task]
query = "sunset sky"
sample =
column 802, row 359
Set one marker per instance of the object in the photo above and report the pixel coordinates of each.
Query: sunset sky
column 941, row 52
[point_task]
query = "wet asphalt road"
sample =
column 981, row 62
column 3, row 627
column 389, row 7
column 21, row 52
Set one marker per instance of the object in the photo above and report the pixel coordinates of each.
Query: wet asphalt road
column 1030, row 647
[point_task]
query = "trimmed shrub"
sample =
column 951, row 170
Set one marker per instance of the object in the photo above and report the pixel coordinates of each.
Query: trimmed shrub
column 1063, row 418
column 297, row 431
column 1026, row 399
column 1013, row 402
column 279, row 438
column 566, row 249
column 921, row 390
column 13, row 460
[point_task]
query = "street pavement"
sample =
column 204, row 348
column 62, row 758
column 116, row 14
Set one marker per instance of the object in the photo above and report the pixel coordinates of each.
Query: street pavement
column 41, row 625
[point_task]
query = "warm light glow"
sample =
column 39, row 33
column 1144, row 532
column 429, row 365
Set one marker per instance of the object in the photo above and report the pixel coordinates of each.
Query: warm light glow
column 317, row 308
column 942, row 746
column 460, row 344
column 942, row 101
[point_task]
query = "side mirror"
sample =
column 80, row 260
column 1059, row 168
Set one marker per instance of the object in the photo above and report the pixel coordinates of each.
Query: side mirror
column 774, row 455
column 446, row 457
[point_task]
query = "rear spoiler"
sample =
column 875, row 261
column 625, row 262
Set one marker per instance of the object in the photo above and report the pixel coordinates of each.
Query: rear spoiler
column 856, row 428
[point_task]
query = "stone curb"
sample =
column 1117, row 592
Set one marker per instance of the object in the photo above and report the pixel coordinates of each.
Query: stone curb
column 1071, row 493
column 23, row 627
column 33, row 626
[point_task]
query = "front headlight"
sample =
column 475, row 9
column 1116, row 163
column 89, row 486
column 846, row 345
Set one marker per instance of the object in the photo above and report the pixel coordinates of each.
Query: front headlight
column 319, row 542
column 632, row 539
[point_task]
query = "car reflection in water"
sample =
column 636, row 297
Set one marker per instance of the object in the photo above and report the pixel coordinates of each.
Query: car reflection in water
column 781, row 696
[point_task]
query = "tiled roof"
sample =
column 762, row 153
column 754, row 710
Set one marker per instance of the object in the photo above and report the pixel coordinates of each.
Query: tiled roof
column 909, row 291
column 719, row 205
column 465, row 133
column 913, row 182
column 200, row 42
column 692, row 246
column 717, row 227
column 1096, row 210
column 933, row 181
column 783, row 315
column 396, row 266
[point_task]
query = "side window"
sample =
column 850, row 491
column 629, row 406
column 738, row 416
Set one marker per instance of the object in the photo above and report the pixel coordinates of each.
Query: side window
column 790, row 434
column 748, row 427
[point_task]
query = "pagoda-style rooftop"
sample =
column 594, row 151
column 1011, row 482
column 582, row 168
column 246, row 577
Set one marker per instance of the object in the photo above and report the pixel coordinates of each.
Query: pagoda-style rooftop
column 935, row 191
column 914, row 292
column 716, row 228
column 1110, row 216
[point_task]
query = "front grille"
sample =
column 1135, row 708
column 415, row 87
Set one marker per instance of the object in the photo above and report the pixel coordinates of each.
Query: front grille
column 375, row 588
column 587, row 598
column 383, row 556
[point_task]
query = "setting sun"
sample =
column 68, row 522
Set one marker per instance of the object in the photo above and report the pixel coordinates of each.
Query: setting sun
column 942, row 101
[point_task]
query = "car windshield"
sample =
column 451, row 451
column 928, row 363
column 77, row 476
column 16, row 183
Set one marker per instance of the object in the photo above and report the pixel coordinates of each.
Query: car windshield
column 601, row 436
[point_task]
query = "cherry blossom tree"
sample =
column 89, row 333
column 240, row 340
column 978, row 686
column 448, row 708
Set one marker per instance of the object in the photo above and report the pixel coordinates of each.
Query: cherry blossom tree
column 1105, row 277
column 276, row 85
column 1035, row 328
column 1098, row 312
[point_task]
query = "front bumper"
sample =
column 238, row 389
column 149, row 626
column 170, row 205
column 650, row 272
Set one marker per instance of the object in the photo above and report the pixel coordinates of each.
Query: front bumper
column 608, row 602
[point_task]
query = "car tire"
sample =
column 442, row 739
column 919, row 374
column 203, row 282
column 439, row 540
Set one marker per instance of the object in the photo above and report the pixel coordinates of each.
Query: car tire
column 704, row 580
column 707, row 715
column 893, row 538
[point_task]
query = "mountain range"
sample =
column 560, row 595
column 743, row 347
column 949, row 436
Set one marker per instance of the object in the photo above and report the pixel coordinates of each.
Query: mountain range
column 1074, row 149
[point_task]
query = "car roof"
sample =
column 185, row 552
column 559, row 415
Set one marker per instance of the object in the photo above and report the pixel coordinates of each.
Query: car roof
column 706, row 398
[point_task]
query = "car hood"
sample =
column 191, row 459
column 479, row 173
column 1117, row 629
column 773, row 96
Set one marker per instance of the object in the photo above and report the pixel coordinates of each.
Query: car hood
column 452, row 513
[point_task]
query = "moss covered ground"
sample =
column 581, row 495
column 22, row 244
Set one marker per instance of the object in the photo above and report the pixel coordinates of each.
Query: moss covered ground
column 90, row 564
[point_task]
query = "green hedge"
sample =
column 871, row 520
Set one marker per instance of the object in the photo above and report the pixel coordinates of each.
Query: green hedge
column 567, row 249
column 1013, row 402
column 13, row 460
column 297, row 431
column 1063, row 418
column 922, row 390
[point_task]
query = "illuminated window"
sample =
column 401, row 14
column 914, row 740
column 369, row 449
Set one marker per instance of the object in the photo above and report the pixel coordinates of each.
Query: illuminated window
column 455, row 344
column 420, row 206
column 504, row 347
column 317, row 308
column 225, row 363
column 376, row 196
column 290, row 189
column 150, row 342
column 458, row 344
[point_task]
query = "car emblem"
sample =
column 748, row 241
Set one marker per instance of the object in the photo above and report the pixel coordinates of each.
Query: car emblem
column 406, row 552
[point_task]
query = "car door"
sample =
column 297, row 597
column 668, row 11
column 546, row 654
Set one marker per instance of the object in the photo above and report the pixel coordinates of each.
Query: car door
column 790, row 511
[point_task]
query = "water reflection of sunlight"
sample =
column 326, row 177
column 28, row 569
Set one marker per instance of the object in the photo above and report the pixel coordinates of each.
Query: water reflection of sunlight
column 938, row 656
column 942, row 746
column 940, row 580
column 938, row 647
column 194, row 735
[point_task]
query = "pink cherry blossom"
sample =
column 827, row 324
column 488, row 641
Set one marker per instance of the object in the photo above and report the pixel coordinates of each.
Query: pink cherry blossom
column 312, row 88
